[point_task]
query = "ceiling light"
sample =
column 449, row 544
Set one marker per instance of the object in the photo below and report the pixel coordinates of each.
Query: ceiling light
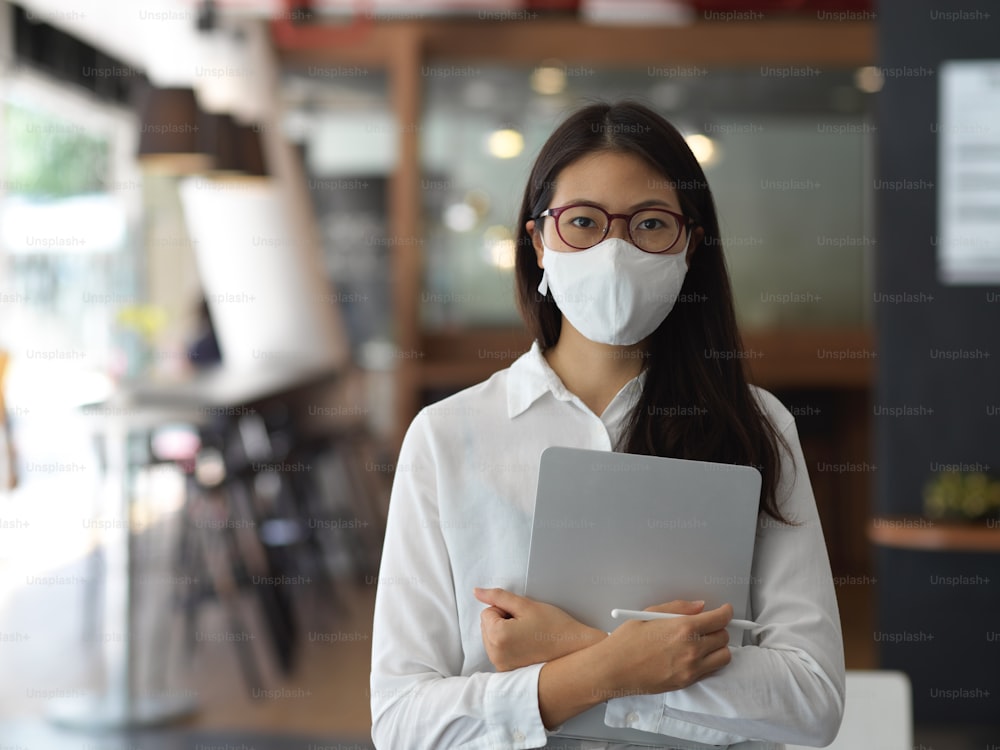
column 869, row 79
column 505, row 144
column 703, row 148
column 170, row 121
column 548, row 80
column 460, row 217
column 500, row 247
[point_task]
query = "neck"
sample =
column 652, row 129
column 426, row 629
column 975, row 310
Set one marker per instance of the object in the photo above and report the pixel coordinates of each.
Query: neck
column 594, row 372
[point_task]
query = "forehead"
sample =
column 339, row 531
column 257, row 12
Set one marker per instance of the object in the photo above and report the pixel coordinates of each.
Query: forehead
column 613, row 178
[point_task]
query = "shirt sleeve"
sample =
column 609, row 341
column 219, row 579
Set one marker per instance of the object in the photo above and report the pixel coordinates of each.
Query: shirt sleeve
column 419, row 698
column 789, row 685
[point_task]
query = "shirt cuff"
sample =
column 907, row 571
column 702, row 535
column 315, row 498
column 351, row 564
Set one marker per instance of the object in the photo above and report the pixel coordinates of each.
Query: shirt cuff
column 648, row 714
column 512, row 711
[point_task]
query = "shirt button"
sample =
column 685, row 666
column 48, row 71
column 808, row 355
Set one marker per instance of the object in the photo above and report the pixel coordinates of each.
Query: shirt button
column 518, row 735
column 632, row 718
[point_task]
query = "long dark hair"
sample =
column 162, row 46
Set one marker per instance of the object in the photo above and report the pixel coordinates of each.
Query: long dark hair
column 695, row 402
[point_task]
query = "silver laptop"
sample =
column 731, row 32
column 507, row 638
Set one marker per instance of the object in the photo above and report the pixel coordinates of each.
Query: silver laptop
column 616, row 530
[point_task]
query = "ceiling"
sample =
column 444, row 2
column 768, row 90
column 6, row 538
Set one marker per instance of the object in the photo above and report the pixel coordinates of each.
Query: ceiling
column 156, row 36
column 160, row 36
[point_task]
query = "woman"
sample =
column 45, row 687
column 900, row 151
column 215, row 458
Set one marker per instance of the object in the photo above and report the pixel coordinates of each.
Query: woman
column 622, row 283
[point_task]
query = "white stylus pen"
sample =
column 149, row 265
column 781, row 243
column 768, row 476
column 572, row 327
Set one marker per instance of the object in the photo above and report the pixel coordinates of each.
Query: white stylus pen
column 634, row 614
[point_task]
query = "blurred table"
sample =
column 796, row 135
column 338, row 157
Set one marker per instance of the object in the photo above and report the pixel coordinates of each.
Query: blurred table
column 222, row 387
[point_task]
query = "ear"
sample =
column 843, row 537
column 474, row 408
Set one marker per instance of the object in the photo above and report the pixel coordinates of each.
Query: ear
column 536, row 241
column 696, row 237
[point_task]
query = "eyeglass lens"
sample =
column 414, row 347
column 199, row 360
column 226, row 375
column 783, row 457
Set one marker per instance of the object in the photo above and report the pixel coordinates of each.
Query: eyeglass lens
column 652, row 230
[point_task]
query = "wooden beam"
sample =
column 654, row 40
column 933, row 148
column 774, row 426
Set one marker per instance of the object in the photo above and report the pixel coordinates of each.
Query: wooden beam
column 836, row 358
column 372, row 48
column 405, row 207
column 744, row 44
column 752, row 44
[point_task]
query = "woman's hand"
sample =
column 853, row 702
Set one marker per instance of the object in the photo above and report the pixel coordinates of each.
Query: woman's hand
column 657, row 656
column 518, row 631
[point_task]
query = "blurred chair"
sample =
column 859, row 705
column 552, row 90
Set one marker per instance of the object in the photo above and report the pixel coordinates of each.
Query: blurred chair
column 878, row 713
column 220, row 543
column 261, row 524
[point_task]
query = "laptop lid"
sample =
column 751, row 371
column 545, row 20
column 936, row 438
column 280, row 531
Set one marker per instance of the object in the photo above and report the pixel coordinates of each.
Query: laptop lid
column 616, row 530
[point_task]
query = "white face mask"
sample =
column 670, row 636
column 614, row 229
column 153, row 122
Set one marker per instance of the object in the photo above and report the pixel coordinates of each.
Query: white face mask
column 613, row 292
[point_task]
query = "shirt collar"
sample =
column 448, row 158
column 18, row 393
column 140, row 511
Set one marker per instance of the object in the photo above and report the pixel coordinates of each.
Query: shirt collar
column 530, row 377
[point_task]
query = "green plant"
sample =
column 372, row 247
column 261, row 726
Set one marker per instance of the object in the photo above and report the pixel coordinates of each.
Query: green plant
column 967, row 495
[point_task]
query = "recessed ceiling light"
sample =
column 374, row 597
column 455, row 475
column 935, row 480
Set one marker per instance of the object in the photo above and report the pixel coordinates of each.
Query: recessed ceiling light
column 505, row 144
column 869, row 79
column 548, row 80
column 460, row 217
column 703, row 148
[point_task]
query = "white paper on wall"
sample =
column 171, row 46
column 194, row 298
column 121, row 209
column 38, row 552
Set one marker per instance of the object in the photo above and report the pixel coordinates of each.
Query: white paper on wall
column 968, row 130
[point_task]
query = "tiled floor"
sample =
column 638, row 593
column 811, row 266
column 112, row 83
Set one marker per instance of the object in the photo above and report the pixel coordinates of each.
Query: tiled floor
column 34, row 735
column 53, row 643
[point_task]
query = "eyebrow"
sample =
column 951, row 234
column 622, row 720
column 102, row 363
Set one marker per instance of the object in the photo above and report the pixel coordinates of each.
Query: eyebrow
column 652, row 203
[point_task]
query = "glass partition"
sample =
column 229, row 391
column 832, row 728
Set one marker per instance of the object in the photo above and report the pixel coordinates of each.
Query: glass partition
column 785, row 151
column 341, row 119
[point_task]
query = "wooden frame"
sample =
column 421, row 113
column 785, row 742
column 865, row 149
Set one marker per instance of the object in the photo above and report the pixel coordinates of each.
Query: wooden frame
column 402, row 48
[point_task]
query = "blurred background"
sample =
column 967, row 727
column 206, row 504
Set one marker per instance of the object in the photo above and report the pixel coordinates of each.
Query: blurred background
column 243, row 242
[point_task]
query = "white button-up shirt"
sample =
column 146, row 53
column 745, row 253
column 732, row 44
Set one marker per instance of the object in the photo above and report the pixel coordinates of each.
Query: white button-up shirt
column 460, row 516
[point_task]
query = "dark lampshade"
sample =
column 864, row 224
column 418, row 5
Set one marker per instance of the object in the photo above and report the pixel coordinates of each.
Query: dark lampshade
column 251, row 153
column 218, row 138
column 170, row 123
column 236, row 148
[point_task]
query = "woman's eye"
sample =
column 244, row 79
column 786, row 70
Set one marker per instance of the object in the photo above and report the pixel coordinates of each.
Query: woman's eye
column 583, row 222
column 649, row 225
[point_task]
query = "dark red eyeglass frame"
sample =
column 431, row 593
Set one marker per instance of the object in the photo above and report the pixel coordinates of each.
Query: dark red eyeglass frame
column 555, row 213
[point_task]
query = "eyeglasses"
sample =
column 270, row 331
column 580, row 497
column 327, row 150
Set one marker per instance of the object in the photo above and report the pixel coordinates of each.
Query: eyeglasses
column 652, row 230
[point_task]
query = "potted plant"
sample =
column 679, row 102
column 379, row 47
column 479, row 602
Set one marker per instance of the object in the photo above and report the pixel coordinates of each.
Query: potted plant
column 962, row 496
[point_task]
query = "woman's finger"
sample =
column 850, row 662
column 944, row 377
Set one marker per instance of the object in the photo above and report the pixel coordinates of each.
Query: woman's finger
column 505, row 600
column 714, row 661
column 679, row 607
column 492, row 615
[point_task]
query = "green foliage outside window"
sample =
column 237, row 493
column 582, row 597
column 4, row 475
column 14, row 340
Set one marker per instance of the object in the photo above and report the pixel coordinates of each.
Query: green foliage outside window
column 47, row 157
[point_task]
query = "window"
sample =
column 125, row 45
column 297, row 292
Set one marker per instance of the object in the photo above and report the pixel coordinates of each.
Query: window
column 69, row 206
